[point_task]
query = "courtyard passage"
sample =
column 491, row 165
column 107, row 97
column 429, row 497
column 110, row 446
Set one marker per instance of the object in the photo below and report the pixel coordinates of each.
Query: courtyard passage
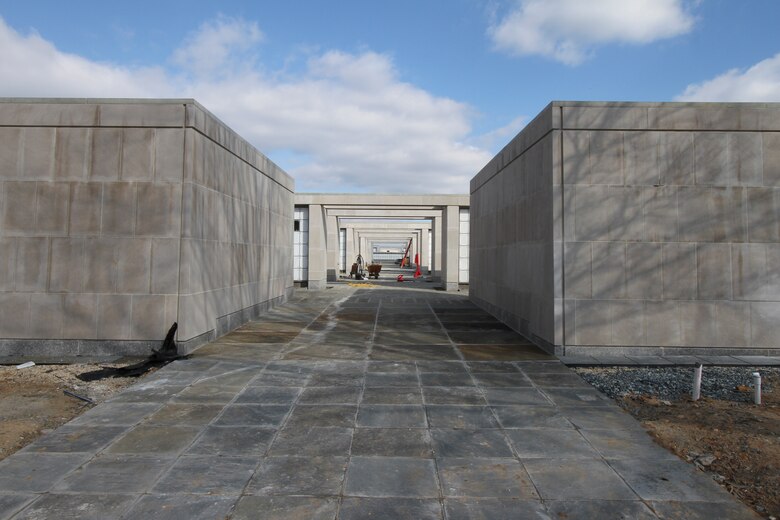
column 358, row 403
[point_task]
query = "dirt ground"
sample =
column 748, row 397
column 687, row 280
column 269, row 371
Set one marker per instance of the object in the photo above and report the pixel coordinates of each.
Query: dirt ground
column 738, row 443
column 32, row 400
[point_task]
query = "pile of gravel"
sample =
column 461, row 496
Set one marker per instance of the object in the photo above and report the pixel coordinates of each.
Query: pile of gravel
column 671, row 383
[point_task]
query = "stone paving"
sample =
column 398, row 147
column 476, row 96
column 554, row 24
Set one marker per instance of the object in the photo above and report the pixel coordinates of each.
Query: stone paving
column 359, row 403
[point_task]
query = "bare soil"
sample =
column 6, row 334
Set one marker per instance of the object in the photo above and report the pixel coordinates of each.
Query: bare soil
column 32, row 400
column 736, row 442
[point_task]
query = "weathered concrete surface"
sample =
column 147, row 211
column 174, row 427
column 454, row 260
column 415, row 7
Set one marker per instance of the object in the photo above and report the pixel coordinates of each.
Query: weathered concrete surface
column 119, row 217
column 354, row 404
column 640, row 228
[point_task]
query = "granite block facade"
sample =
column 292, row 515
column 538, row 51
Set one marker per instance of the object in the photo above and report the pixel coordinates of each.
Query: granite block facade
column 645, row 226
column 119, row 217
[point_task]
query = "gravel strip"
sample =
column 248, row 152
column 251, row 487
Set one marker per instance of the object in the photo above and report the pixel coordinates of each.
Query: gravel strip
column 675, row 383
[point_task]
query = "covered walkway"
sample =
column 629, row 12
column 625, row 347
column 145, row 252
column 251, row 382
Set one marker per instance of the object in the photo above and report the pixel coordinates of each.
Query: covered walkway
column 359, row 403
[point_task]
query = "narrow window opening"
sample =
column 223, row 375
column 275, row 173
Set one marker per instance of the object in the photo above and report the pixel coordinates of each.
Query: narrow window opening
column 297, row 225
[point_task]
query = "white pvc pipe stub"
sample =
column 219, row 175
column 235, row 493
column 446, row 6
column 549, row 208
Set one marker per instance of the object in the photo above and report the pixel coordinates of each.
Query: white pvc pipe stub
column 696, row 393
column 756, row 388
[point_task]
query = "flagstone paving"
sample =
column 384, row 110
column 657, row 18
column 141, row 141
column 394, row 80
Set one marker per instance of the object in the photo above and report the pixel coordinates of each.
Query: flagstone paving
column 359, row 403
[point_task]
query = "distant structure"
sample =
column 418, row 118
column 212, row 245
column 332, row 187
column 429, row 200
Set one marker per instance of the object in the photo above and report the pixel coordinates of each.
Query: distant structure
column 635, row 228
column 331, row 229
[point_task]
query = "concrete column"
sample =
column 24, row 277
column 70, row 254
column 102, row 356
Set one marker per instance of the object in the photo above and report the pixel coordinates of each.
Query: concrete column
column 317, row 248
column 450, row 248
column 436, row 269
column 350, row 246
column 332, row 252
column 425, row 262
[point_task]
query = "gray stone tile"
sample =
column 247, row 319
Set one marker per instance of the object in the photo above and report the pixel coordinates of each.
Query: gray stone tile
column 266, row 416
column 558, row 380
column 285, row 508
column 392, row 442
column 453, row 395
column 392, row 395
column 548, row 444
column 79, row 438
column 489, row 367
column 450, row 367
column 330, row 395
column 522, row 416
column 669, row 480
column 317, row 441
column 589, row 509
column 184, row 414
column 76, row 507
column 391, row 477
column 336, row 379
column 391, row 416
column 268, row 395
column 279, row 378
column 316, row 476
column 412, row 352
column 600, row 418
column 702, row 510
column 494, row 509
column 249, row 441
column 446, row 379
column 115, row 474
column 179, row 507
column 460, row 417
column 391, row 379
column 155, row 440
column 626, row 444
column 116, row 414
column 542, row 367
column 154, row 392
column 515, row 379
column 470, row 443
column 395, row 367
column 234, row 379
column 307, row 416
column 389, row 508
column 523, row 396
column 37, row 472
column 412, row 337
column 482, row 477
column 215, row 475
column 205, row 394
column 577, row 397
column 10, row 504
column 577, row 479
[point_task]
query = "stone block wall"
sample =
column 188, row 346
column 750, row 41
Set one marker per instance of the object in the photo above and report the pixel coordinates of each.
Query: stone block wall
column 118, row 218
column 512, row 261
column 665, row 227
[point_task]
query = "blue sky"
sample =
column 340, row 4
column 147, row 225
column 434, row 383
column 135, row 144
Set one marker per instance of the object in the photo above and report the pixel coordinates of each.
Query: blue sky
column 402, row 96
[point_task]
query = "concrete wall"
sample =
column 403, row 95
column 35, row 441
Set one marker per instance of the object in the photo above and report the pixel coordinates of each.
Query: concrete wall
column 657, row 227
column 511, row 270
column 121, row 217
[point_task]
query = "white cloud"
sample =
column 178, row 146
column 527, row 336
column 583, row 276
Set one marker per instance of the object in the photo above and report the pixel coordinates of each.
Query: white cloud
column 569, row 30
column 217, row 46
column 346, row 123
column 761, row 82
column 31, row 66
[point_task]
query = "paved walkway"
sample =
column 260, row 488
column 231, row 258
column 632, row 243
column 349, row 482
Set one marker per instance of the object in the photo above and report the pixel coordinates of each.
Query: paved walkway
column 359, row 403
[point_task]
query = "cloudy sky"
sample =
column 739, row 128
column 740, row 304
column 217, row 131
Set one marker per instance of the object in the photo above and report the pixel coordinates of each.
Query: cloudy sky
column 393, row 96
